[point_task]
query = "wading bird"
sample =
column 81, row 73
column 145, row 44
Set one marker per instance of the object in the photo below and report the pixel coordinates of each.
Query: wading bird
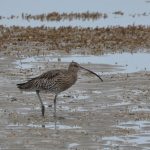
column 54, row 81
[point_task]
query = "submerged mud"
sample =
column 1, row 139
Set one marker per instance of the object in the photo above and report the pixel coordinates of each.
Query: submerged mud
column 113, row 114
column 90, row 115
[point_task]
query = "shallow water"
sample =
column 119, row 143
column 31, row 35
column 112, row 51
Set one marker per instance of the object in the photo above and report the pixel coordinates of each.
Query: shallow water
column 123, row 62
column 140, row 126
column 71, row 145
column 107, row 22
column 28, row 6
column 130, row 8
column 140, row 108
column 90, row 114
column 134, row 140
column 50, row 125
column 86, row 114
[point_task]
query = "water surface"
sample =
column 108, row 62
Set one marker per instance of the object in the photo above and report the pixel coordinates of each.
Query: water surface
column 125, row 62
column 132, row 9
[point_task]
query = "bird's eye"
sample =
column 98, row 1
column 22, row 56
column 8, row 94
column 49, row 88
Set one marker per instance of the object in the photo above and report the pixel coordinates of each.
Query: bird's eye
column 75, row 65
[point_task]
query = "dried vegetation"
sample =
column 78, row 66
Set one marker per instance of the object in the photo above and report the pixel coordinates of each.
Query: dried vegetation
column 95, row 40
column 55, row 16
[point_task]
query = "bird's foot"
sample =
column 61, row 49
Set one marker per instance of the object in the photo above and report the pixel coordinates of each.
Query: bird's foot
column 49, row 105
column 43, row 110
column 54, row 115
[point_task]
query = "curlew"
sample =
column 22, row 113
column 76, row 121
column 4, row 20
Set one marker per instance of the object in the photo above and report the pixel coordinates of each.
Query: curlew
column 54, row 81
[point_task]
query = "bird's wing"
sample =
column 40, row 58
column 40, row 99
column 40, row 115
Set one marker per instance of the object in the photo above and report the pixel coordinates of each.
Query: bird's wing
column 50, row 74
column 44, row 81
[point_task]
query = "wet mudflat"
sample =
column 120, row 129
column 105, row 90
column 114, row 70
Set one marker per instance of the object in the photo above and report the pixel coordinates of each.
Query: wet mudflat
column 113, row 114
column 111, row 38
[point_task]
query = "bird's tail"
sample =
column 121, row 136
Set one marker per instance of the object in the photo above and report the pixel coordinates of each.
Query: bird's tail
column 24, row 86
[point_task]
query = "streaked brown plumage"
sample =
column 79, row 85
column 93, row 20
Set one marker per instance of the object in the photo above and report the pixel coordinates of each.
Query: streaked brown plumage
column 54, row 81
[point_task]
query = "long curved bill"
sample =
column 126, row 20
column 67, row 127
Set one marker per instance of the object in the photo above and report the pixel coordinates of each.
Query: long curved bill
column 91, row 72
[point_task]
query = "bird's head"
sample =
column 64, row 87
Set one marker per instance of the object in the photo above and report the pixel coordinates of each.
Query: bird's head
column 75, row 67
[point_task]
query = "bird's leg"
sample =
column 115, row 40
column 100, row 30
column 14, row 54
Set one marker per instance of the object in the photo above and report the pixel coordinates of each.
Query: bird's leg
column 55, row 105
column 42, row 105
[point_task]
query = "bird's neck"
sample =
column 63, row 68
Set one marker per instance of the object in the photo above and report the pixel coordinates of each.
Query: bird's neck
column 72, row 71
column 73, row 75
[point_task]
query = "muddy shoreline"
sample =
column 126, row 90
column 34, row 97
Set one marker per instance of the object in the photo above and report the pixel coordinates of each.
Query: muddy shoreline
column 113, row 114
column 91, row 114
